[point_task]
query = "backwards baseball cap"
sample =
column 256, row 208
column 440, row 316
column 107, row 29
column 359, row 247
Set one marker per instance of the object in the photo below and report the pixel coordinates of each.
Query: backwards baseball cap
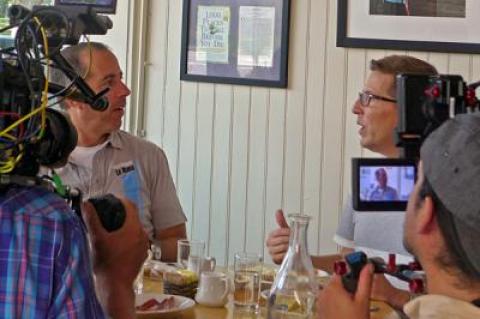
column 451, row 163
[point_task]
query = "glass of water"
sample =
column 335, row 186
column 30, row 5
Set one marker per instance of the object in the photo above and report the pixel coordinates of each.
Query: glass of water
column 190, row 253
column 247, row 274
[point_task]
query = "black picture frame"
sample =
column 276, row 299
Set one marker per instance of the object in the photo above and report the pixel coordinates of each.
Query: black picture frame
column 229, row 63
column 346, row 40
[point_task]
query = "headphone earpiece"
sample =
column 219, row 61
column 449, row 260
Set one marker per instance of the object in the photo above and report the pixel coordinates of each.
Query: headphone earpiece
column 59, row 140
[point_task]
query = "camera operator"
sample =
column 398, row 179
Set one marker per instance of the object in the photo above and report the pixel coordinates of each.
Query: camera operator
column 45, row 262
column 441, row 231
column 374, row 232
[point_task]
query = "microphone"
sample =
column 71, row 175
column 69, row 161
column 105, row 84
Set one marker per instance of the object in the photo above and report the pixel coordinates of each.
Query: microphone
column 97, row 102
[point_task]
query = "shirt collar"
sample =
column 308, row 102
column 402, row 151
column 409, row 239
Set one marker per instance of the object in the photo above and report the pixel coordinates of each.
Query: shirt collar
column 115, row 141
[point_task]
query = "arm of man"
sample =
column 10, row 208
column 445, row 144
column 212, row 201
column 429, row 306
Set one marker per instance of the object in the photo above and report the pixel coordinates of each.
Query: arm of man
column 116, row 261
column 168, row 241
column 326, row 262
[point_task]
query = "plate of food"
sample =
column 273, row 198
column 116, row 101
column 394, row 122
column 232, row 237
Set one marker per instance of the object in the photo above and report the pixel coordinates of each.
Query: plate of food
column 154, row 305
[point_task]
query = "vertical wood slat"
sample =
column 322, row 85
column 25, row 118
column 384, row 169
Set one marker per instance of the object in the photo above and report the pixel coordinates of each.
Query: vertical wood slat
column 314, row 117
column 218, row 236
column 238, row 153
column 334, row 104
column 187, row 151
column 295, row 120
column 239, row 170
column 171, row 130
column 203, row 161
column 156, row 72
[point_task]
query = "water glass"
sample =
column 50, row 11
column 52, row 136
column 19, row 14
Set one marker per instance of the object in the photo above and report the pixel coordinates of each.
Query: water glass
column 156, row 250
column 247, row 274
column 138, row 282
column 190, row 254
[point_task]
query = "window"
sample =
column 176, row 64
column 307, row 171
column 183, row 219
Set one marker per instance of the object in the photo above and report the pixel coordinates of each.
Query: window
column 6, row 37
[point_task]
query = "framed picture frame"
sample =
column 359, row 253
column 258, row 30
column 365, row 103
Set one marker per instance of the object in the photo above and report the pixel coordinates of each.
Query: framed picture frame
column 235, row 42
column 450, row 26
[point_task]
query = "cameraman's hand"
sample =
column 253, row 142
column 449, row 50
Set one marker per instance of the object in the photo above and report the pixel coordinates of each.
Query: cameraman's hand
column 117, row 258
column 382, row 290
column 334, row 302
column 277, row 240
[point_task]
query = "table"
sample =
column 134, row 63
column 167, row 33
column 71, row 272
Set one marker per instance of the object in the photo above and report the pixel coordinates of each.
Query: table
column 228, row 312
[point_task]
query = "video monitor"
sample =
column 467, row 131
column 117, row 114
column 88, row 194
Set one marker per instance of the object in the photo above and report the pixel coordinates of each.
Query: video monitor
column 101, row 6
column 382, row 184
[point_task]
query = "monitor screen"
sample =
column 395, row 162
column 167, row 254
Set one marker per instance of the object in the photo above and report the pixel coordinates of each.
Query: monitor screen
column 101, row 6
column 382, row 184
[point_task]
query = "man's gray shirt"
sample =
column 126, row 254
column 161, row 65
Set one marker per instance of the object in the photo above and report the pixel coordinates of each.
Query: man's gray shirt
column 136, row 169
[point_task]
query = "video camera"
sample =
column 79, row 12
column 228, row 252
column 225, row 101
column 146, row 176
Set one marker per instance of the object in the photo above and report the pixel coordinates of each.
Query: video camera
column 424, row 102
column 32, row 134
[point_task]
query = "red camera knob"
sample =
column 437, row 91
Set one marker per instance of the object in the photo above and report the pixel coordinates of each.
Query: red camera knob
column 340, row 268
column 416, row 286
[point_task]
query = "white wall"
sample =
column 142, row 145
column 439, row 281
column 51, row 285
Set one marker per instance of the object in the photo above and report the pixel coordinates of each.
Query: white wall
column 237, row 153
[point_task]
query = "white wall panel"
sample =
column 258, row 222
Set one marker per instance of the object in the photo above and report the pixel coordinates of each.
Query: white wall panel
column 238, row 153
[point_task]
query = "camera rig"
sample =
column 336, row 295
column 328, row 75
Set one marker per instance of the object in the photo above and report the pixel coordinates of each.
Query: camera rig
column 32, row 134
column 425, row 102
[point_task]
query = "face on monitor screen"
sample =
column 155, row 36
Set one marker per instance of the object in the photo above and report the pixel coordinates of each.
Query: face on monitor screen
column 382, row 184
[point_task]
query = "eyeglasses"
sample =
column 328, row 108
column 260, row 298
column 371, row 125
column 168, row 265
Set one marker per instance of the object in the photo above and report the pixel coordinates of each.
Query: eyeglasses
column 365, row 98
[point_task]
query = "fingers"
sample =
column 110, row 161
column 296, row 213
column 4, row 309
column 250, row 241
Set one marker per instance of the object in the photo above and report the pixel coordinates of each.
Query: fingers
column 92, row 222
column 280, row 218
column 365, row 282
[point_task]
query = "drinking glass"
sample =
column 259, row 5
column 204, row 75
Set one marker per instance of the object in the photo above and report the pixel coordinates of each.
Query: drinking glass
column 138, row 282
column 247, row 274
column 190, row 254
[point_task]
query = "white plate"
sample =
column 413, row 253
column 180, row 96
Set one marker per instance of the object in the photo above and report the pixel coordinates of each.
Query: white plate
column 181, row 304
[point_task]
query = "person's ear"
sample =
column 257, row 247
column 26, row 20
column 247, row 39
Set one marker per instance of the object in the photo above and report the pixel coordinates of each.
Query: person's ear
column 72, row 104
column 426, row 220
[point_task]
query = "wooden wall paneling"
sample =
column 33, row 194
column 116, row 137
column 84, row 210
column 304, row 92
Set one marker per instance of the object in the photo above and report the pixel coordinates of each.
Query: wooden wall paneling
column 203, row 161
column 295, row 126
column 275, row 160
column 439, row 61
column 219, row 236
column 255, row 211
column 239, row 169
column 333, row 130
column 460, row 64
column 156, row 72
column 187, row 151
column 475, row 74
column 314, row 117
column 171, row 129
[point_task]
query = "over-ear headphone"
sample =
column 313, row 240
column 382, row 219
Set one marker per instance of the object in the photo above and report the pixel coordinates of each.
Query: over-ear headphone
column 58, row 142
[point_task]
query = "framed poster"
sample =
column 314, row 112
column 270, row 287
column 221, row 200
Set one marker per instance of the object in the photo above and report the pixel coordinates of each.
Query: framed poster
column 423, row 25
column 235, row 41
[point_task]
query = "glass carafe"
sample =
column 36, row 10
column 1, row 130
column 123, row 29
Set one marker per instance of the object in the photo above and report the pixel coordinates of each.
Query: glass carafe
column 294, row 289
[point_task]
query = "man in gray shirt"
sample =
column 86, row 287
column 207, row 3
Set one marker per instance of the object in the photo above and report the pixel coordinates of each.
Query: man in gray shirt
column 108, row 160
column 374, row 232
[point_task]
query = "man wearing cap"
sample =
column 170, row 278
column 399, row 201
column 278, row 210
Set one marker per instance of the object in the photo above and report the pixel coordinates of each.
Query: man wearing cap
column 441, row 231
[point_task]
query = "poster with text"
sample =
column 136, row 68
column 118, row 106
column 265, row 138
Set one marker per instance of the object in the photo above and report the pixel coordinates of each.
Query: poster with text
column 213, row 28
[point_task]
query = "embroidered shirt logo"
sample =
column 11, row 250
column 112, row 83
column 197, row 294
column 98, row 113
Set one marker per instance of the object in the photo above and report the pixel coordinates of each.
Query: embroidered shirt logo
column 123, row 168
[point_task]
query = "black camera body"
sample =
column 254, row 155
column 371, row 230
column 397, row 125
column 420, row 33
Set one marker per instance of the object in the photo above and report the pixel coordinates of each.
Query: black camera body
column 32, row 133
column 424, row 102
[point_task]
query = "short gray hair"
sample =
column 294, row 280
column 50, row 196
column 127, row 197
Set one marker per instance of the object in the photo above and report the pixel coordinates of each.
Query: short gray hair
column 73, row 56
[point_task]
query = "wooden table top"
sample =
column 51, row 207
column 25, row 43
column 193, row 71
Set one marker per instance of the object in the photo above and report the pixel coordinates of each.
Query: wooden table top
column 228, row 312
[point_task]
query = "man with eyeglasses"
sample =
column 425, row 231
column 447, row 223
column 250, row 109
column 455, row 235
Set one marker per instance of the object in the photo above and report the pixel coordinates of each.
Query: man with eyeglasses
column 376, row 233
